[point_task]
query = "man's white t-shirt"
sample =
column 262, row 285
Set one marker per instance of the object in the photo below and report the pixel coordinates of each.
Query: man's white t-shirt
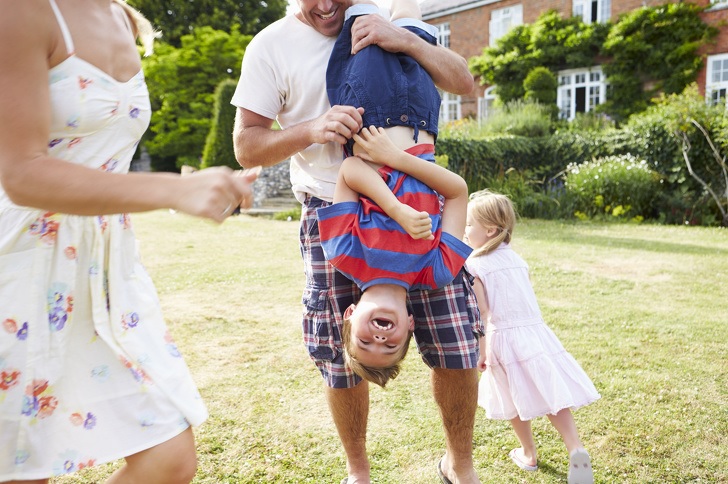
column 283, row 77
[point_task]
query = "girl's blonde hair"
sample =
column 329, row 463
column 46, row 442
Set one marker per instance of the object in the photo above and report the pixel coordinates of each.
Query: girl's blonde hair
column 142, row 27
column 491, row 209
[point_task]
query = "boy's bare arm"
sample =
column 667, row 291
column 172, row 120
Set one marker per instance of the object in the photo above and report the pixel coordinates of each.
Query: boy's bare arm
column 357, row 177
column 380, row 149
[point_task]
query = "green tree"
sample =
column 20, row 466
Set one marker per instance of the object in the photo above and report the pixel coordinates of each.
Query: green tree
column 176, row 18
column 181, row 84
column 219, row 145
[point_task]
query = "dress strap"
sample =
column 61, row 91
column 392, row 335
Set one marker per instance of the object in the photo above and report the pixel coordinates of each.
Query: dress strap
column 64, row 28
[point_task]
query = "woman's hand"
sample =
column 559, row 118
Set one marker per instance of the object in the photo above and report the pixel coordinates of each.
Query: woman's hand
column 216, row 192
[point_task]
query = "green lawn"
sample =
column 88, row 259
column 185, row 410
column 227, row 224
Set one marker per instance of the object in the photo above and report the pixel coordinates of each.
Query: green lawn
column 643, row 308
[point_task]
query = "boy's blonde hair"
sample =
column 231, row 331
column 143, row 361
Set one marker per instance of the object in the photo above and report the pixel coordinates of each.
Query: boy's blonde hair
column 142, row 27
column 491, row 209
column 380, row 376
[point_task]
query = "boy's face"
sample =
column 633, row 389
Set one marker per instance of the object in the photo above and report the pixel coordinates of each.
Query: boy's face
column 325, row 16
column 378, row 333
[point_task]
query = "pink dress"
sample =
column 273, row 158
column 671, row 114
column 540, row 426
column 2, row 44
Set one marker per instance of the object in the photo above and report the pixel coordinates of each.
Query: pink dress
column 529, row 373
column 88, row 370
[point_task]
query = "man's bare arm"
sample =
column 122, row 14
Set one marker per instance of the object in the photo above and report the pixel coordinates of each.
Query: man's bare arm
column 448, row 69
column 257, row 144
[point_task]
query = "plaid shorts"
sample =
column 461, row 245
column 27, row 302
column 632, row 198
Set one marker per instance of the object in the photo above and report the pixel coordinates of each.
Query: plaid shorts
column 447, row 320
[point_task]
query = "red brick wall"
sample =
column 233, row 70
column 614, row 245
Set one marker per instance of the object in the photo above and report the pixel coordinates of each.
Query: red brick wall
column 469, row 30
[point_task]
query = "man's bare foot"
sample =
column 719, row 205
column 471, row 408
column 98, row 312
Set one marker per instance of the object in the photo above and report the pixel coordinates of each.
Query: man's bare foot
column 448, row 474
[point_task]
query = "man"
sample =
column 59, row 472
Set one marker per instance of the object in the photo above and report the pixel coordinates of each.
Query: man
column 283, row 77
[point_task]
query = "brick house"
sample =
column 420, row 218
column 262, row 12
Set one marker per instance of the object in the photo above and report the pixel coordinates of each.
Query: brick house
column 467, row 26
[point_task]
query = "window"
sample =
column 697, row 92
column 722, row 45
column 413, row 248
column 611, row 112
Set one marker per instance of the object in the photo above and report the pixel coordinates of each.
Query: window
column 502, row 20
column 486, row 103
column 449, row 107
column 716, row 82
column 580, row 91
column 450, row 104
column 719, row 2
column 443, row 34
column 592, row 11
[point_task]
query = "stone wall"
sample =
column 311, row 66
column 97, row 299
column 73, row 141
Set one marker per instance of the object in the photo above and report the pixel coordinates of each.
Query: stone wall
column 274, row 182
column 273, row 185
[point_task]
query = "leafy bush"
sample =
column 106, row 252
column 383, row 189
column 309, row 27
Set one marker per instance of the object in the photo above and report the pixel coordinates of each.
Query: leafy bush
column 588, row 123
column 292, row 215
column 531, row 197
column 665, row 130
column 520, row 118
column 619, row 187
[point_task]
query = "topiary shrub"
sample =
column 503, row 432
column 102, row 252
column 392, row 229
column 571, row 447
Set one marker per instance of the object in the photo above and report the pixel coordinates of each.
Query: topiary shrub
column 615, row 187
column 219, row 143
column 540, row 86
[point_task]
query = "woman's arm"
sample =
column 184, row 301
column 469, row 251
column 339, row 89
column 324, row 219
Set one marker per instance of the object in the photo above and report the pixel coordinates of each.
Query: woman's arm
column 32, row 178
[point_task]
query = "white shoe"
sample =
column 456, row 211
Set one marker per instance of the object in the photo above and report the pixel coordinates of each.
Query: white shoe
column 580, row 469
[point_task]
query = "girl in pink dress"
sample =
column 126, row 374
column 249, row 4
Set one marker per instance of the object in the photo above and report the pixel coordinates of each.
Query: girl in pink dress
column 527, row 373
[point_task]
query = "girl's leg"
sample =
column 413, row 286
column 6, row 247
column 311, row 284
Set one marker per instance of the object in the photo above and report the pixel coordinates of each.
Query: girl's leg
column 527, row 453
column 171, row 462
column 564, row 423
column 580, row 470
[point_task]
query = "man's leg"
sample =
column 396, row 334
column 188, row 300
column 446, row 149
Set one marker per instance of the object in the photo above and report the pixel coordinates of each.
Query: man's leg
column 350, row 409
column 456, row 395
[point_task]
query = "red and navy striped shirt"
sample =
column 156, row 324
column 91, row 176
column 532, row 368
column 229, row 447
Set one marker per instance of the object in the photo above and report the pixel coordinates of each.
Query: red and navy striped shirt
column 369, row 247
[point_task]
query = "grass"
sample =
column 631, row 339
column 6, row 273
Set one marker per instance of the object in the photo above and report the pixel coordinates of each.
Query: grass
column 643, row 308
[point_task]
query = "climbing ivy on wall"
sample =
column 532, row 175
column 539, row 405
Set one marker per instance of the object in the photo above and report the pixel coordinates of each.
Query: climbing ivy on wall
column 649, row 50
column 552, row 41
column 653, row 50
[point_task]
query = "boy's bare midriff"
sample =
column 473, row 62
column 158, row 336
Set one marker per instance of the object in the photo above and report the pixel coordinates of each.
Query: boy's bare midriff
column 403, row 137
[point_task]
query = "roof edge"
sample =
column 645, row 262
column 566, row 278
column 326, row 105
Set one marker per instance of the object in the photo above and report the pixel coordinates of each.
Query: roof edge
column 457, row 9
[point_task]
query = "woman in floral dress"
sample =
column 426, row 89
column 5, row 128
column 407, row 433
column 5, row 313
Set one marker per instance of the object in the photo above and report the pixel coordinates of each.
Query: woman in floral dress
column 88, row 371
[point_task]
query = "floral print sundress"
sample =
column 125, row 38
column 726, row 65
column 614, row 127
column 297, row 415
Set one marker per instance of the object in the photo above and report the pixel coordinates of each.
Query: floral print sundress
column 88, row 371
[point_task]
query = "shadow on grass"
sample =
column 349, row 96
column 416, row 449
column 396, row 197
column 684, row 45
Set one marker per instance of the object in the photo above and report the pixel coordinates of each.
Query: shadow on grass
column 571, row 237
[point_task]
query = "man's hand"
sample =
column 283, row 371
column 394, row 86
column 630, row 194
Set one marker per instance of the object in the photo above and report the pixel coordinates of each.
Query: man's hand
column 338, row 124
column 375, row 29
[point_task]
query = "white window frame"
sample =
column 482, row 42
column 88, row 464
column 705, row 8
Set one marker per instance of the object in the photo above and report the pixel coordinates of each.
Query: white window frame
column 443, row 34
column 599, row 11
column 485, row 103
column 502, row 20
column 569, row 94
column 449, row 107
column 716, row 3
column 716, row 80
column 450, row 103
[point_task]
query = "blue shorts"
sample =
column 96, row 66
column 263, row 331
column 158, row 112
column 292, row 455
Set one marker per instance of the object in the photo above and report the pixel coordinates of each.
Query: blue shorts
column 447, row 320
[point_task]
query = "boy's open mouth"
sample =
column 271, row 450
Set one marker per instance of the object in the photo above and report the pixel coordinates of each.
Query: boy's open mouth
column 383, row 323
